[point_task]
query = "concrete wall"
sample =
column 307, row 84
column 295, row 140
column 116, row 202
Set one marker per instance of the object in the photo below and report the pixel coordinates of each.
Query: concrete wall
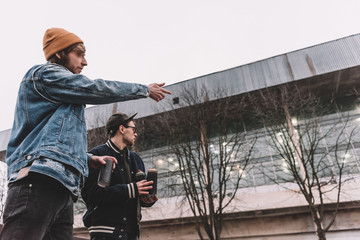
column 286, row 224
column 290, row 225
column 266, row 212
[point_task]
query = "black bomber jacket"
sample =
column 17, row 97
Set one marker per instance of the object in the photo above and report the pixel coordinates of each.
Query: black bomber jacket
column 111, row 210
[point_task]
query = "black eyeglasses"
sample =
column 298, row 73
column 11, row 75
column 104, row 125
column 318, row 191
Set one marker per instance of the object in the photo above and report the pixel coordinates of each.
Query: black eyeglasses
column 134, row 128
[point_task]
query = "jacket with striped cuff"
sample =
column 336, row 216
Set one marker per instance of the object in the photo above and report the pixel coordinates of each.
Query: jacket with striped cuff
column 115, row 206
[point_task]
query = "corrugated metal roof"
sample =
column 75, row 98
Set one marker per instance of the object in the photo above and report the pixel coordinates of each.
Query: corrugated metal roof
column 293, row 66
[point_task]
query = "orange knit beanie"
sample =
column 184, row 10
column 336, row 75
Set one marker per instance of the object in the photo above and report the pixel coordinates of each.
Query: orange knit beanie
column 57, row 39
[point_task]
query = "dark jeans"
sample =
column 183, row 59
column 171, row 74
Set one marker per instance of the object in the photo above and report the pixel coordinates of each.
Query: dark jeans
column 38, row 207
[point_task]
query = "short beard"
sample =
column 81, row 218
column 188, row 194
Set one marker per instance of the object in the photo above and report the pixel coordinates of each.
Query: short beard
column 64, row 58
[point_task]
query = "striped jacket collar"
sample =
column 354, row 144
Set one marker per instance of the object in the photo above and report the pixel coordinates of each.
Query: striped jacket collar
column 112, row 145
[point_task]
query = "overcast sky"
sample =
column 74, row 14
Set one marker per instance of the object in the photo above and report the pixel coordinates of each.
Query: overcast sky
column 147, row 41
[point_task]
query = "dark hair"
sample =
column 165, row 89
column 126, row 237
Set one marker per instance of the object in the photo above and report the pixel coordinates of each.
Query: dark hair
column 115, row 121
column 64, row 59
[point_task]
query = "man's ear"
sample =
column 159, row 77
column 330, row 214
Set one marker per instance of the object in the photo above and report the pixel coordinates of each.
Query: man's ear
column 121, row 129
column 58, row 55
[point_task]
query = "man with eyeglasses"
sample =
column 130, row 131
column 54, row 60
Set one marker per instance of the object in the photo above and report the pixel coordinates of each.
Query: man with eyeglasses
column 114, row 212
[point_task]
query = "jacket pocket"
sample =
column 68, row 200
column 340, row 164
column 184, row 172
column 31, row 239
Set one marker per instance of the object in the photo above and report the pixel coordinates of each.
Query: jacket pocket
column 63, row 130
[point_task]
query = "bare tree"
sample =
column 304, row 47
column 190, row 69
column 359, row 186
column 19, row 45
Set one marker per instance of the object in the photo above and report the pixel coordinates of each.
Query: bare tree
column 312, row 145
column 206, row 134
column 95, row 137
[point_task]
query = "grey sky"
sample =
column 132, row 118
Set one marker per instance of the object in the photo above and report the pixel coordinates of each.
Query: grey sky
column 168, row 41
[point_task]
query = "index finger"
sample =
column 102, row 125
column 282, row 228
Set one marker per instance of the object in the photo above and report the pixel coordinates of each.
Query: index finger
column 112, row 158
column 165, row 91
column 148, row 183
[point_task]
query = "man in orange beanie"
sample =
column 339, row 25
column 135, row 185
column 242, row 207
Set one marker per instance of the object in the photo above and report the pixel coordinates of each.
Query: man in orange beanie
column 46, row 153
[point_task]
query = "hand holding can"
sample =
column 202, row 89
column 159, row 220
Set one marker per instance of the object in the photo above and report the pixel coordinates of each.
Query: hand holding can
column 152, row 176
column 105, row 173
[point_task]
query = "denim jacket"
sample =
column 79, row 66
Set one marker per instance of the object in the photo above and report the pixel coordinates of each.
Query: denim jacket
column 49, row 120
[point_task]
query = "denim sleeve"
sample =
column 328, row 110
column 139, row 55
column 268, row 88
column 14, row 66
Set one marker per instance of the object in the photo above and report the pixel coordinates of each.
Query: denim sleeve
column 60, row 85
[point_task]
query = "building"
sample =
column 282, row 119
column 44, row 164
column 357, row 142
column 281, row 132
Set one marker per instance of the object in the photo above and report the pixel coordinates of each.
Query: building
column 260, row 209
